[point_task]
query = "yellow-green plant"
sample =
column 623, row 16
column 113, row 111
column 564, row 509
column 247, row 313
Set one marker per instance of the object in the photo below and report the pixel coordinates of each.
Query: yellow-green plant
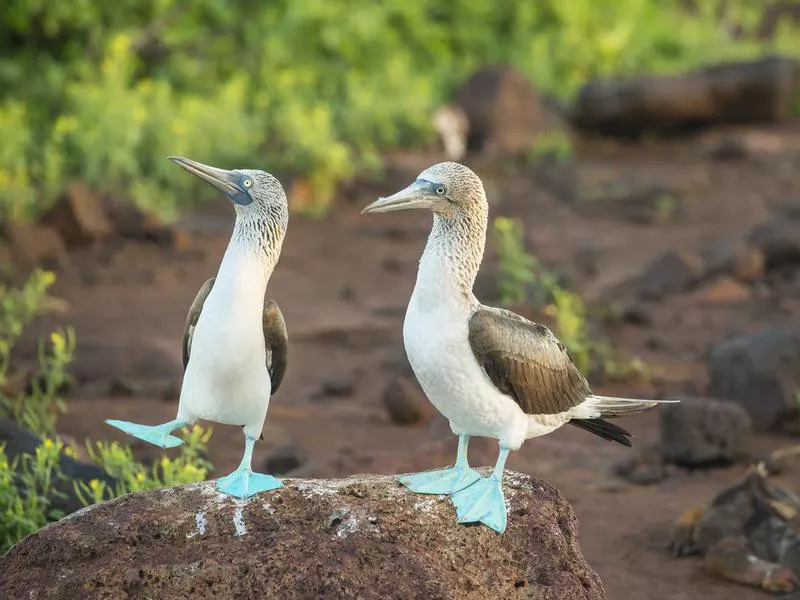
column 103, row 91
column 132, row 476
column 36, row 405
column 515, row 265
column 27, row 491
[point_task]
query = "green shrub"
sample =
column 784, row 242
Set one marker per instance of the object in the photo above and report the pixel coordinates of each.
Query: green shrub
column 27, row 489
column 104, row 91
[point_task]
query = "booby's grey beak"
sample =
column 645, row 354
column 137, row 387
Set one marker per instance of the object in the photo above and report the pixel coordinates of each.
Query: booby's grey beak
column 227, row 182
column 420, row 194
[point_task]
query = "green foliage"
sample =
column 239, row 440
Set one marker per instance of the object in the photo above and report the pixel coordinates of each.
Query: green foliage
column 36, row 405
column 523, row 278
column 103, row 91
column 514, row 262
column 26, row 492
column 132, row 476
column 551, row 146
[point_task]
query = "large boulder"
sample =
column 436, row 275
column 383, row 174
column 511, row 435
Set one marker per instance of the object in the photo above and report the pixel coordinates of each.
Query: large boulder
column 760, row 371
column 504, row 111
column 760, row 91
column 361, row 537
column 697, row 432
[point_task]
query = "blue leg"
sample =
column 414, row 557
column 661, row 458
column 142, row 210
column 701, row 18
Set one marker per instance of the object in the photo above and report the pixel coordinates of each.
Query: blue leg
column 243, row 483
column 158, row 435
column 484, row 501
column 444, row 481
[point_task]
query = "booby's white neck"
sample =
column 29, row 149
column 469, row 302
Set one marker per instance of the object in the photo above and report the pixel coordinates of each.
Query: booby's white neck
column 451, row 260
column 250, row 257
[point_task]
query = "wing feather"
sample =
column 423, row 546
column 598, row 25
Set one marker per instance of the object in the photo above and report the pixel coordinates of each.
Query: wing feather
column 526, row 361
column 191, row 318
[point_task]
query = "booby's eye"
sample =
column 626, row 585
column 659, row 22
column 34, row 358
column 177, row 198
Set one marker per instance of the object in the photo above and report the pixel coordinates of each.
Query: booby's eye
column 440, row 190
column 248, row 183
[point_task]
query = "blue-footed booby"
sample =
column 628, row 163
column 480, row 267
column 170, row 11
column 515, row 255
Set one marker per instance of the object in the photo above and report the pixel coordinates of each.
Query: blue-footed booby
column 234, row 342
column 489, row 371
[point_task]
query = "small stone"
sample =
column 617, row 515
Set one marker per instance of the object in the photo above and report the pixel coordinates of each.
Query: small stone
column 336, row 388
column 637, row 314
column 79, row 216
column 725, row 290
column 743, row 261
column 761, row 372
column 285, row 459
column 671, row 272
column 33, row 244
column 644, row 466
column 698, row 432
column 405, row 402
column 121, row 387
column 779, row 240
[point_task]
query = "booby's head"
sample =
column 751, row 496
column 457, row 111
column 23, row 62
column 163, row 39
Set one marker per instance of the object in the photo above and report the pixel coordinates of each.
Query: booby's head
column 449, row 189
column 253, row 193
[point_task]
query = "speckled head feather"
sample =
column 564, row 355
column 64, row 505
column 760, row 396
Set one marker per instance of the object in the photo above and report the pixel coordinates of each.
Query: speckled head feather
column 264, row 221
column 463, row 188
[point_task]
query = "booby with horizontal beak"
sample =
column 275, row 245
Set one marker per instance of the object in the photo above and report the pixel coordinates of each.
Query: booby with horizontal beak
column 489, row 371
column 234, row 342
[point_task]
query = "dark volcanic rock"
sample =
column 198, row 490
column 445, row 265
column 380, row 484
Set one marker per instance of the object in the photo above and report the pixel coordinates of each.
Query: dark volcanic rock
column 702, row 431
column 644, row 466
column 760, row 371
column 669, row 273
column 779, row 241
column 758, row 91
column 18, row 441
column 740, row 260
column 504, row 111
column 405, row 402
column 361, row 537
column 285, row 460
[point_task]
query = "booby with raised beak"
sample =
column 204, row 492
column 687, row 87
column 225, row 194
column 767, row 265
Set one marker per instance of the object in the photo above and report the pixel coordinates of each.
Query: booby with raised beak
column 489, row 371
column 234, row 342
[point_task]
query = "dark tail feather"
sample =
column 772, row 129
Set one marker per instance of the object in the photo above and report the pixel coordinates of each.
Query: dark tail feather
column 604, row 429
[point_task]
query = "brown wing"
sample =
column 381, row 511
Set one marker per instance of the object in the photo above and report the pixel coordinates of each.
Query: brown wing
column 191, row 318
column 526, row 361
column 277, row 342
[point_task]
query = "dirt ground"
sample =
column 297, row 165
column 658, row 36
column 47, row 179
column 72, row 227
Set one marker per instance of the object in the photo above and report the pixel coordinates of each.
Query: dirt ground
column 343, row 283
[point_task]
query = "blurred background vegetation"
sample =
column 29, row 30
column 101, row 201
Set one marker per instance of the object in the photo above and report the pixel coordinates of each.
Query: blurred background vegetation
column 103, row 91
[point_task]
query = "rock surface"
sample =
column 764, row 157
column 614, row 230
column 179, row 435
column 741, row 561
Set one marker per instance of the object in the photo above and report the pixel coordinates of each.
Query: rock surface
column 405, row 402
column 760, row 371
column 703, row 431
column 79, row 216
column 363, row 537
column 671, row 272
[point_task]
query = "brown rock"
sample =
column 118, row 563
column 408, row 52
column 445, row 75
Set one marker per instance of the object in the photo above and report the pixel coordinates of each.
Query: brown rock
column 743, row 261
column 360, row 537
column 406, row 403
column 673, row 271
column 285, row 459
column 724, row 290
column 32, row 244
column 133, row 223
column 698, row 432
column 503, row 109
column 645, row 466
column 79, row 216
column 779, row 240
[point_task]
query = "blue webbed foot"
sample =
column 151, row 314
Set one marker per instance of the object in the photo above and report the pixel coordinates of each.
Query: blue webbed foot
column 441, row 481
column 482, row 502
column 158, row 435
column 243, row 483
